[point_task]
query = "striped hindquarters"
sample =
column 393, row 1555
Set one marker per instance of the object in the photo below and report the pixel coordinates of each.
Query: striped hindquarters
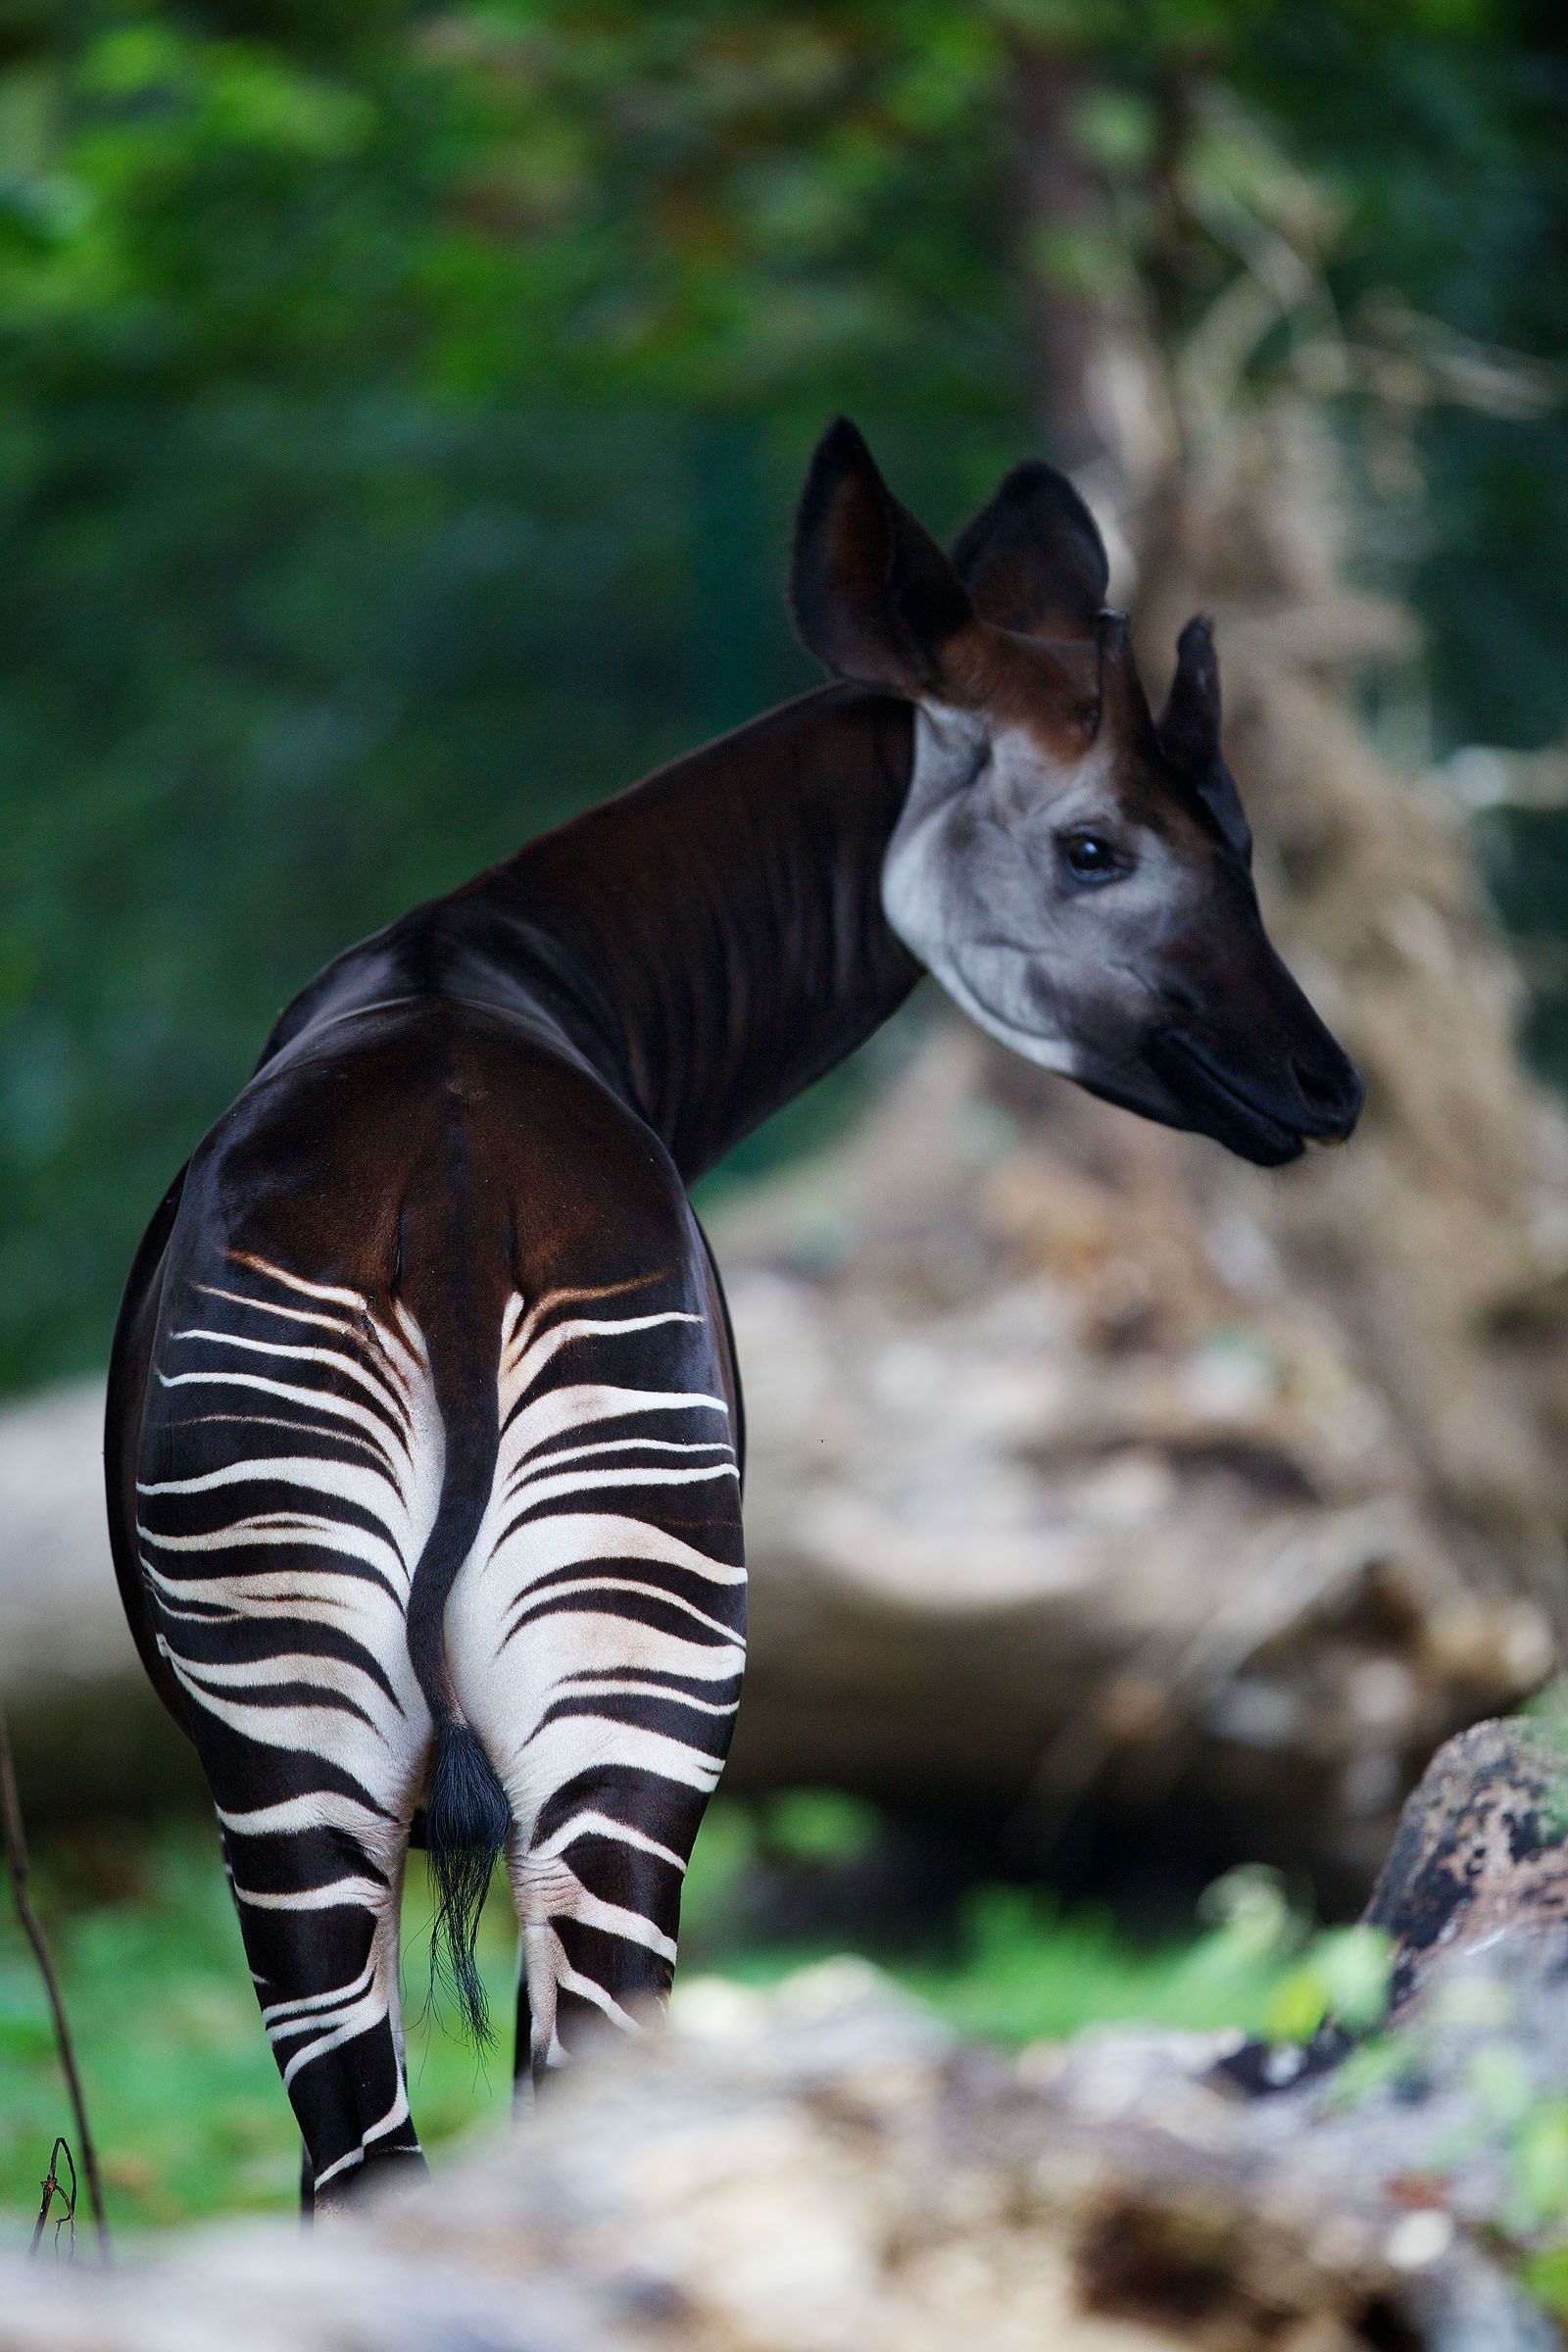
column 293, row 1470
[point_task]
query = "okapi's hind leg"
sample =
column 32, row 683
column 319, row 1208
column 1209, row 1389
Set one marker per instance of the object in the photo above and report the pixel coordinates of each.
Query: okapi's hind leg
column 596, row 1636
column 318, row 1915
column 290, row 1475
column 596, row 1893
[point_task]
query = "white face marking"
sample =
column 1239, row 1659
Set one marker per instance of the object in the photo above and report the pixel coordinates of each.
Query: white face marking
column 974, row 886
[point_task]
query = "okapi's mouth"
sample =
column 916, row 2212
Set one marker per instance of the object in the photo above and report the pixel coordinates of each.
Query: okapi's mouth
column 1321, row 1088
column 1217, row 1104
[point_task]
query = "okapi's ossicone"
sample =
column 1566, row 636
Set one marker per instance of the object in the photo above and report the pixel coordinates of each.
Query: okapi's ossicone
column 423, row 1428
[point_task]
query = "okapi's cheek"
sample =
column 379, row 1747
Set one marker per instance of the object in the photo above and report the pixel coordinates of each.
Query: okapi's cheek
column 1045, row 1009
column 922, row 883
column 985, row 960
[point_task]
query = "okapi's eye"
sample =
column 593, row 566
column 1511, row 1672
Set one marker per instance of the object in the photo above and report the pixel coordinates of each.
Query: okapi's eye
column 1090, row 858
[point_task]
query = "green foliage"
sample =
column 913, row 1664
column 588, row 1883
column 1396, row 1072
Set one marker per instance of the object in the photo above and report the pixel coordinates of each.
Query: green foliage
column 1344, row 1975
column 165, row 2017
column 1546, row 2277
column 1540, row 2164
column 1342, row 1972
column 819, row 1825
column 401, row 406
column 1031, row 1971
column 1548, row 1712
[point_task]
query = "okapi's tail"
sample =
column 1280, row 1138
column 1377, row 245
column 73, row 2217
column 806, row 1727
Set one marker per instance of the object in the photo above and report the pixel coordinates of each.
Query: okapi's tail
column 467, row 1821
column 467, row 1812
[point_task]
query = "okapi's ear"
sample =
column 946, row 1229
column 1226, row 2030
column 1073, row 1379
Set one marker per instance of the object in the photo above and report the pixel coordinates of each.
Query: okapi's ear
column 1033, row 559
column 873, row 595
column 1189, row 724
column 1188, row 733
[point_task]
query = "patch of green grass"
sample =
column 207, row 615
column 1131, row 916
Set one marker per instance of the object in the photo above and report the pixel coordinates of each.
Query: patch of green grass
column 187, row 2106
column 180, row 2087
column 1033, row 1970
column 1546, row 2277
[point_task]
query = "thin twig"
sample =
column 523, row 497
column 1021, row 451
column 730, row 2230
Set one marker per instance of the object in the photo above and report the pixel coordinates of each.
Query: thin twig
column 52, row 2190
column 32, row 1927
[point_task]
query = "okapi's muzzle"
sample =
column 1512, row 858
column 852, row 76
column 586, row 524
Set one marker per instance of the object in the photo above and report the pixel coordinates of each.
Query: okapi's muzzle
column 1267, row 1092
column 1316, row 1101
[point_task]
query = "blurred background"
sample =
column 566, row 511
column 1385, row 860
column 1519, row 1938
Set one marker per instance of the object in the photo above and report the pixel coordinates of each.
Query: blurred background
column 401, row 411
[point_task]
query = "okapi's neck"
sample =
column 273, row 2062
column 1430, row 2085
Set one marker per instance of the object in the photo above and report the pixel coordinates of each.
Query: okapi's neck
column 727, row 912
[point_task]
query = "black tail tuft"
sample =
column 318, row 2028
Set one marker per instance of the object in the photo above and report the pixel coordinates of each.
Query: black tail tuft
column 466, row 1823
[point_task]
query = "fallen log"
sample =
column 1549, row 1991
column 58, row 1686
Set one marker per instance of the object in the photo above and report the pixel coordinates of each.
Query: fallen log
column 1070, row 1499
column 88, row 1731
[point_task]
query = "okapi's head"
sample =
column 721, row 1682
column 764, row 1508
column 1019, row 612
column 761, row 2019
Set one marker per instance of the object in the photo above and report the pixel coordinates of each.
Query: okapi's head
column 1074, row 870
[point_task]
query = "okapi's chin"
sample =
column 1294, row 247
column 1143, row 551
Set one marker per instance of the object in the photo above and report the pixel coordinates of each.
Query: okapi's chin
column 1134, row 1087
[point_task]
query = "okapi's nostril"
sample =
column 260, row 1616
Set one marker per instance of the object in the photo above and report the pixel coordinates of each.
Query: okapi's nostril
column 1333, row 1094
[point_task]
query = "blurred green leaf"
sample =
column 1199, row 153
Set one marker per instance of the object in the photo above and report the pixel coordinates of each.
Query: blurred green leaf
column 820, row 1825
column 1540, row 2153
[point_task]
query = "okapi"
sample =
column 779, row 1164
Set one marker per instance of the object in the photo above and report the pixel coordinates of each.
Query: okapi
column 425, row 1431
